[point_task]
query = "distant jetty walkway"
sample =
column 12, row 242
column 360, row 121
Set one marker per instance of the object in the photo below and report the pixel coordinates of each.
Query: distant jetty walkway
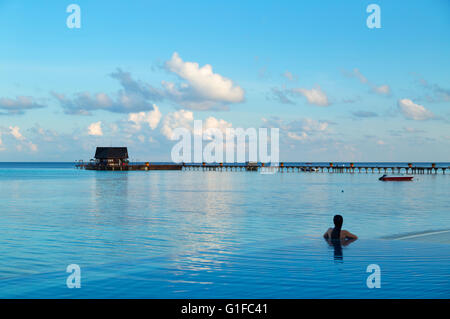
column 116, row 159
column 384, row 168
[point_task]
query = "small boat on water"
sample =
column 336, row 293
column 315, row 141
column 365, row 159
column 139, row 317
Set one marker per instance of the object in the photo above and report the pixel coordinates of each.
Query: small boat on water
column 386, row 178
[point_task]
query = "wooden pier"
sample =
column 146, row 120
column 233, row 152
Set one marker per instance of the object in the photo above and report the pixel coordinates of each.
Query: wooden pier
column 325, row 168
column 116, row 159
column 130, row 167
column 281, row 168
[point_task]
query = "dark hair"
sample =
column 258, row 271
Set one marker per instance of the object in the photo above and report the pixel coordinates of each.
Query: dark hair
column 336, row 233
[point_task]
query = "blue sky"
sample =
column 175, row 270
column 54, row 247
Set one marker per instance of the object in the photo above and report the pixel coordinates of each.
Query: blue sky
column 337, row 90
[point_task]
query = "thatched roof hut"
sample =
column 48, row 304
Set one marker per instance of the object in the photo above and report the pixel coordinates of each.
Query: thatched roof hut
column 111, row 153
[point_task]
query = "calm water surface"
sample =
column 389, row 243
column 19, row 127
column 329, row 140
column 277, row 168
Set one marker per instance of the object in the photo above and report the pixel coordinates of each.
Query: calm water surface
column 216, row 234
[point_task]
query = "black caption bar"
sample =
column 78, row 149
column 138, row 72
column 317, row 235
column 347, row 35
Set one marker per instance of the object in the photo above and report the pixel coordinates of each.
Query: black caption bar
column 222, row 308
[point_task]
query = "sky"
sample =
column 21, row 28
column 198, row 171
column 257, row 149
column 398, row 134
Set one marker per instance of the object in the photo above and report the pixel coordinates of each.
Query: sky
column 136, row 70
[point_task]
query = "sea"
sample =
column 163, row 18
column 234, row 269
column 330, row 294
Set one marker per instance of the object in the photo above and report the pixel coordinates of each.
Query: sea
column 220, row 234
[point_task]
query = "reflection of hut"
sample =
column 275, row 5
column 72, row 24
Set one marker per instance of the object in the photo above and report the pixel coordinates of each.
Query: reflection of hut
column 111, row 157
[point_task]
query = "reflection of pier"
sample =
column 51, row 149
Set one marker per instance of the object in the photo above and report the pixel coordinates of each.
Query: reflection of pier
column 327, row 168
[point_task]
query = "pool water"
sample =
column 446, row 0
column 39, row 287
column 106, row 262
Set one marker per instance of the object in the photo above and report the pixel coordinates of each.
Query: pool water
column 217, row 234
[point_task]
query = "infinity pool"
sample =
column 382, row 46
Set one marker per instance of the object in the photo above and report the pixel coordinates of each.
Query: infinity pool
column 218, row 235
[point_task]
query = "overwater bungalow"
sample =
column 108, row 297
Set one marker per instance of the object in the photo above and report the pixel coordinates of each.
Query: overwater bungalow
column 116, row 159
column 110, row 158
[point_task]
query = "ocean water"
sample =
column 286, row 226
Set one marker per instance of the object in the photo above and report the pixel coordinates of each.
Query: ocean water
column 195, row 234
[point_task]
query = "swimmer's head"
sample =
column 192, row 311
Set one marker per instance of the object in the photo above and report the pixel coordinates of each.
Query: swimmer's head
column 338, row 220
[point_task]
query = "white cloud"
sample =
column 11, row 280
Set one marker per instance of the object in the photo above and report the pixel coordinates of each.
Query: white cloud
column 297, row 136
column 15, row 131
column 413, row 111
column 299, row 130
column 200, row 89
column 203, row 88
column 310, row 125
column 152, row 118
column 95, row 129
column 185, row 119
column 213, row 123
column 378, row 89
column 314, row 96
column 181, row 118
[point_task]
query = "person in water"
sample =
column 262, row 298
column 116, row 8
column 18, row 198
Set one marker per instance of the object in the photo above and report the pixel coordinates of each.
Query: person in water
column 337, row 233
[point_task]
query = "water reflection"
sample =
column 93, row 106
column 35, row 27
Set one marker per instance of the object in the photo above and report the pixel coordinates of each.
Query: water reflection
column 108, row 218
column 208, row 224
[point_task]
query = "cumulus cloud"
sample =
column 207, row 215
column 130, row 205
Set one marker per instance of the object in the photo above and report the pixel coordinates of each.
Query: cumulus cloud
column 199, row 89
column 413, row 111
column 300, row 129
column 151, row 118
column 173, row 120
column 202, row 89
column 95, row 129
column 314, row 96
column 309, row 125
column 213, row 123
column 185, row 119
column 46, row 135
column 14, row 131
column 383, row 89
column 297, row 136
column 18, row 105
column 134, row 96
